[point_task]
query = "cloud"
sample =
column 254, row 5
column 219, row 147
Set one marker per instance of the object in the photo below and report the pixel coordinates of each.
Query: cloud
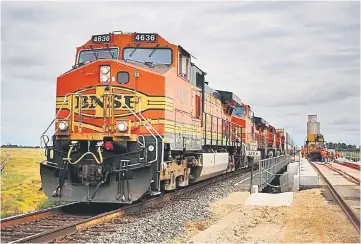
column 285, row 59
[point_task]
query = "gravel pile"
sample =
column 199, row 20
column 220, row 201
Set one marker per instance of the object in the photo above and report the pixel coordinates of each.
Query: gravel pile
column 164, row 222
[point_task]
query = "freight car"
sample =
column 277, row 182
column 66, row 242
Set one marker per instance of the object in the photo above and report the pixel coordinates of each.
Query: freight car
column 136, row 117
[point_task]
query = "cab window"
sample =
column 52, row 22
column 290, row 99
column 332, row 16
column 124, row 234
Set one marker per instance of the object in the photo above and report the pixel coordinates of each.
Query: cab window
column 184, row 66
column 239, row 111
column 250, row 114
column 155, row 56
column 94, row 54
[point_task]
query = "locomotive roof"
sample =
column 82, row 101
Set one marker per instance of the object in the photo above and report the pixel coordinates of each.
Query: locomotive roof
column 261, row 122
column 114, row 37
column 211, row 91
column 230, row 97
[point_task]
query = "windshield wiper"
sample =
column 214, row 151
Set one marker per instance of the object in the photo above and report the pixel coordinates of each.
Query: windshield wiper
column 110, row 52
column 149, row 64
column 153, row 51
column 135, row 49
column 161, row 64
column 94, row 52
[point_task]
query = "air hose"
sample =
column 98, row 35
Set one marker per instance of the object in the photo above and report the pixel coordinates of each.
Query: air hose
column 100, row 161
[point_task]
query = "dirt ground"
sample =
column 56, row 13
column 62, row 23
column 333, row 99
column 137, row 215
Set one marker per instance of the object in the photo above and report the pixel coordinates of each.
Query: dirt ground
column 309, row 219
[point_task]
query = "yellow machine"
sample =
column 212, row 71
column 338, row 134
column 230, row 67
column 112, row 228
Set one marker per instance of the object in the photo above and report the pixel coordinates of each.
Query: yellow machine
column 315, row 142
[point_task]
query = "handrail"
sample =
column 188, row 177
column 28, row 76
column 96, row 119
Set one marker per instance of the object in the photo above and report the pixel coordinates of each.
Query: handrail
column 267, row 166
column 140, row 112
column 162, row 139
column 56, row 116
column 156, row 152
column 61, row 108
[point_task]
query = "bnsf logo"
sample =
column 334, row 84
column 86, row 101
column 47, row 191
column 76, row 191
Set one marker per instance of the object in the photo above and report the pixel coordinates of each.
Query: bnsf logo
column 94, row 102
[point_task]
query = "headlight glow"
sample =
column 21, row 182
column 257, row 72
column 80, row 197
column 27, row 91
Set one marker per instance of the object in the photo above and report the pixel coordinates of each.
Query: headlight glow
column 122, row 126
column 104, row 73
column 104, row 78
column 104, row 69
column 63, row 125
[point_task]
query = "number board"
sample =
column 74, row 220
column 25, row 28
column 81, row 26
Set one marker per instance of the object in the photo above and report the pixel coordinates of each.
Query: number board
column 105, row 38
column 253, row 146
column 253, row 153
column 145, row 37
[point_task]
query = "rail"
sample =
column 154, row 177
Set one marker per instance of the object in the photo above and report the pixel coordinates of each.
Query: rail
column 355, row 220
column 347, row 176
column 59, row 232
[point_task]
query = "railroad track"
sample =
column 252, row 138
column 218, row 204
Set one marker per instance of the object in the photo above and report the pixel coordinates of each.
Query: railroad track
column 348, row 165
column 347, row 176
column 31, row 227
column 352, row 216
column 54, row 223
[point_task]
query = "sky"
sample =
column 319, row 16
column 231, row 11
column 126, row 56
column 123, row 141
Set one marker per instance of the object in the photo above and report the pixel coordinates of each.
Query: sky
column 285, row 59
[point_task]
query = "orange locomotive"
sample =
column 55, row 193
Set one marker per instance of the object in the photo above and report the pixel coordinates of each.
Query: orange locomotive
column 134, row 117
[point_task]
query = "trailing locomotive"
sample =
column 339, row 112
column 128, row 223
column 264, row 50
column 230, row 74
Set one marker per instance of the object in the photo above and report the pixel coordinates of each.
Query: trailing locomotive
column 135, row 117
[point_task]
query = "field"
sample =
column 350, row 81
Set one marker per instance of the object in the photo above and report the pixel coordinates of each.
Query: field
column 20, row 181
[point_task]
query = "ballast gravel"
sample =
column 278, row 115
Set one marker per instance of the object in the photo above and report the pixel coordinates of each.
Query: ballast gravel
column 164, row 222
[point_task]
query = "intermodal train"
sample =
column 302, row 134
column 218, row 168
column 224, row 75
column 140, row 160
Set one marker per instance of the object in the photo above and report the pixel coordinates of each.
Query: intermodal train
column 135, row 117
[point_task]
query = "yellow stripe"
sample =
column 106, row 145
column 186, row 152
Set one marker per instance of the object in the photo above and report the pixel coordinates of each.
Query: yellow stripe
column 91, row 127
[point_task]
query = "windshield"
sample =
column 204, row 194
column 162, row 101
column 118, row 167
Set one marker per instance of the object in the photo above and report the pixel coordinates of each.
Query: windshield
column 92, row 55
column 152, row 55
column 239, row 111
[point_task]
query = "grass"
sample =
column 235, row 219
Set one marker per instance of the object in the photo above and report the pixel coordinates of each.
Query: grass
column 20, row 182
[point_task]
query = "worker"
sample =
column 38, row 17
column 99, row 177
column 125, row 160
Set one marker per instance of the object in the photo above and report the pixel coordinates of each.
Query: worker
column 326, row 156
column 323, row 155
column 332, row 156
column 302, row 151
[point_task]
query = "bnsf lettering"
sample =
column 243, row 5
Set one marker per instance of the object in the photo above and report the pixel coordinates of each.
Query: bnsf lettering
column 92, row 101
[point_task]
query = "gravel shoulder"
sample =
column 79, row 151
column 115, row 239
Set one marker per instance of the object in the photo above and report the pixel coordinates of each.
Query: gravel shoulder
column 309, row 219
column 166, row 222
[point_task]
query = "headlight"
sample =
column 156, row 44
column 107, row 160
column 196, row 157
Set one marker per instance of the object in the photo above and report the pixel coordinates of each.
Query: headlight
column 104, row 73
column 104, row 78
column 63, row 126
column 104, row 69
column 122, row 126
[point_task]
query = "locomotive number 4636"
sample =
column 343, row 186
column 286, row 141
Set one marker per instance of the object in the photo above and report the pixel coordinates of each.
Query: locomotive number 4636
column 145, row 37
column 101, row 38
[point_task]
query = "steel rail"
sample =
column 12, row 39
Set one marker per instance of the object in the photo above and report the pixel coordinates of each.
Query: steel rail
column 347, row 165
column 343, row 173
column 60, row 232
column 355, row 220
column 23, row 218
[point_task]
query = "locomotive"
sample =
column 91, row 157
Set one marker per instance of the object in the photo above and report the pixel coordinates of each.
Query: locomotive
column 135, row 117
column 315, row 142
